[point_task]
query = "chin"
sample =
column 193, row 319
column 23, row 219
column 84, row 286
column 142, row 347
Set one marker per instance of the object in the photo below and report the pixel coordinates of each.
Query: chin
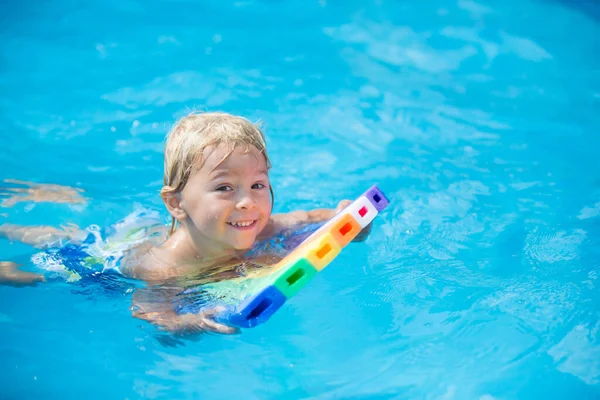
column 243, row 245
column 242, row 242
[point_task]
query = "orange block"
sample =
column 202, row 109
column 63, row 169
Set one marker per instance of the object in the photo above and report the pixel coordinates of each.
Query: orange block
column 346, row 229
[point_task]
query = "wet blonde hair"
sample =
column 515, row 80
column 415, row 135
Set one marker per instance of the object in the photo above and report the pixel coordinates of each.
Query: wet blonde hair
column 192, row 134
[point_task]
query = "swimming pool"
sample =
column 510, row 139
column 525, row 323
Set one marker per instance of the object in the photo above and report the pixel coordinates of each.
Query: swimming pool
column 478, row 119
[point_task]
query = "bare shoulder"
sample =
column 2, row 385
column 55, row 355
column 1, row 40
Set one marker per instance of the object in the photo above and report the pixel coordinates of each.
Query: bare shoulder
column 145, row 263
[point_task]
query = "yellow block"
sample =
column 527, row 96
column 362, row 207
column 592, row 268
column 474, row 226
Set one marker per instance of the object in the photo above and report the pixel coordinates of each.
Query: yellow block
column 322, row 250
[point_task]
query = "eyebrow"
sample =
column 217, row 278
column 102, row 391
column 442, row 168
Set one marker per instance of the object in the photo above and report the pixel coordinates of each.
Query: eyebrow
column 219, row 173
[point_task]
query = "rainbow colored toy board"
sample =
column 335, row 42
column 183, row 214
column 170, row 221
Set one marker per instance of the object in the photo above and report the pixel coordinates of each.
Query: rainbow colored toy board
column 311, row 256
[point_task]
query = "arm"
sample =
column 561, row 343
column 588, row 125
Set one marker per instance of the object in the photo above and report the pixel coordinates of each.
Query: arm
column 281, row 222
column 155, row 306
column 295, row 219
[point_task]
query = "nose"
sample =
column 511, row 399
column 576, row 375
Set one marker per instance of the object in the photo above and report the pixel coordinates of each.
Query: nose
column 245, row 202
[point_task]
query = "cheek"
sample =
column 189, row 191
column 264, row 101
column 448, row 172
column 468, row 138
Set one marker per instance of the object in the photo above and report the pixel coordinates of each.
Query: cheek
column 208, row 214
column 265, row 205
column 211, row 217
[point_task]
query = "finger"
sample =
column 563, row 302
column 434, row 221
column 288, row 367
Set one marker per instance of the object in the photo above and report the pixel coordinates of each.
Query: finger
column 212, row 326
column 343, row 204
column 208, row 320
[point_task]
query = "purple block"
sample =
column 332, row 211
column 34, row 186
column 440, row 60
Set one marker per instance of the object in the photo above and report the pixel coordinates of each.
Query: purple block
column 377, row 198
column 257, row 309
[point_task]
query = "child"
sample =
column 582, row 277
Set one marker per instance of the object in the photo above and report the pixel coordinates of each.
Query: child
column 218, row 193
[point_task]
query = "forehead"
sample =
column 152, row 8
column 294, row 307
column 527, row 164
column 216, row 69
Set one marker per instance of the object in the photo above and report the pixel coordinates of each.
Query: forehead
column 218, row 158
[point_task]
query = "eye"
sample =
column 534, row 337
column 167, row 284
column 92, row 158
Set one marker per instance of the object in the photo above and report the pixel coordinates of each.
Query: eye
column 258, row 185
column 224, row 188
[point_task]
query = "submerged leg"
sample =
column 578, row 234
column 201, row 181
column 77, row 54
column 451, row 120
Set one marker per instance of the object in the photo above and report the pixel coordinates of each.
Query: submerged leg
column 12, row 276
column 41, row 236
column 23, row 191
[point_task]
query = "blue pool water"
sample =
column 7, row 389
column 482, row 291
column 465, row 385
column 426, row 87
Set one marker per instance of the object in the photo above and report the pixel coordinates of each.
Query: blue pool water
column 480, row 121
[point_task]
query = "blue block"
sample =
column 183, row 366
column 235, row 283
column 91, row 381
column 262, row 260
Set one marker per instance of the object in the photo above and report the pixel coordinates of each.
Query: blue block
column 257, row 309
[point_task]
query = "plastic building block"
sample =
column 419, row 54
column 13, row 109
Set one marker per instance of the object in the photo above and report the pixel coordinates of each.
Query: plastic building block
column 377, row 198
column 293, row 278
column 363, row 211
column 345, row 229
column 257, row 308
column 322, row 251
column 311, row 256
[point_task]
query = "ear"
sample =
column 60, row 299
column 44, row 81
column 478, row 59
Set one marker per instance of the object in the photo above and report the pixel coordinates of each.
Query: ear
column 172, row 200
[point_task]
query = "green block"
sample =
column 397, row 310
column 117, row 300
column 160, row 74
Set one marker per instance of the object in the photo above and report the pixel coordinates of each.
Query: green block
column 294, row 277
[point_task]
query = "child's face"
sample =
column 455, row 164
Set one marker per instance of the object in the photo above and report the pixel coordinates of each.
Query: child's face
column 228, row 204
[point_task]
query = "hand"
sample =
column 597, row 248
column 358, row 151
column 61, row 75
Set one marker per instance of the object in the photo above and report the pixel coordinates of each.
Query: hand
column 10, row 275
column 203, row 321
column 342, row 204
column 364, row 233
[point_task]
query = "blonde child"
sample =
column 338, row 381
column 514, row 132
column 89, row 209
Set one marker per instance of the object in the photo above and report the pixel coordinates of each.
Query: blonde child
column 218, row 193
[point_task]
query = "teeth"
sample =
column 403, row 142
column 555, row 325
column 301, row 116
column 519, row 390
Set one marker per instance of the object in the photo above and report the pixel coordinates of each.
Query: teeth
column 242, row 223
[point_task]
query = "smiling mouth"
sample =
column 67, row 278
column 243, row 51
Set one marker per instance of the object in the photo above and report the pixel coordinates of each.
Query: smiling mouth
column 243, row 224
